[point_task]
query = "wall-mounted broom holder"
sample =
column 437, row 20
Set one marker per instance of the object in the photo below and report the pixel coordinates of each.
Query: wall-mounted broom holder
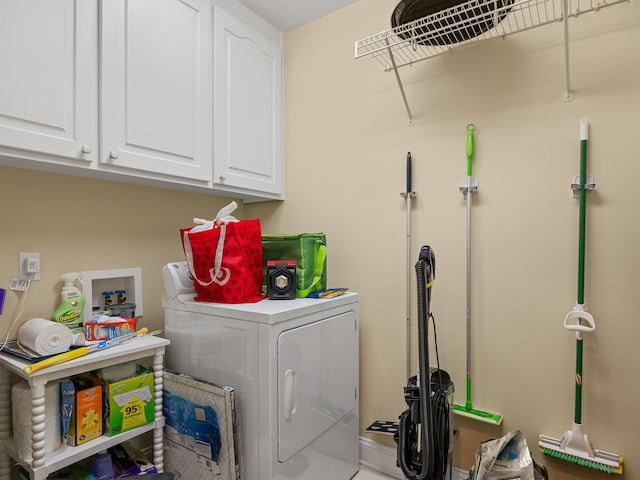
column 412, row 194
column 589, row 186
column 474, row 188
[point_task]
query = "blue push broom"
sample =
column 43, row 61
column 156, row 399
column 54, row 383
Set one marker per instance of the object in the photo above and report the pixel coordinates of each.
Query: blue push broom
column 574, row 446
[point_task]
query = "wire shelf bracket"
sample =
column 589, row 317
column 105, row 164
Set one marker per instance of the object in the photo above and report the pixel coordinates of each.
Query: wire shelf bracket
column 449, row 29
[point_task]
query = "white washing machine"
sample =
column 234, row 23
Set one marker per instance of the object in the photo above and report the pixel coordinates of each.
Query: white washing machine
column 294, row 366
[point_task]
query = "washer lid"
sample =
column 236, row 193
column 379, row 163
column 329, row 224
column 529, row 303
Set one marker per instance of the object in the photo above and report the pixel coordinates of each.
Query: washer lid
column 265, row 311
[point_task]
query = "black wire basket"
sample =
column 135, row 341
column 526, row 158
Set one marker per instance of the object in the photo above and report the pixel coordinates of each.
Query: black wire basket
column 447, row 22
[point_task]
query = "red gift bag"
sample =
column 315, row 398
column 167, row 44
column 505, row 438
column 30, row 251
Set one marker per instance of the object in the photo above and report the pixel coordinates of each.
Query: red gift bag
column 225, row 258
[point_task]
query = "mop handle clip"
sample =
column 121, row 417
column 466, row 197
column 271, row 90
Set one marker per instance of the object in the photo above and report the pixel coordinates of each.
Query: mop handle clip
column 579, row 320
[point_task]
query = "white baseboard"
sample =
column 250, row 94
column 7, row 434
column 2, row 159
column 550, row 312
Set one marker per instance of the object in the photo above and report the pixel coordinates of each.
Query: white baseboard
column 382, row 458
column 379, row 457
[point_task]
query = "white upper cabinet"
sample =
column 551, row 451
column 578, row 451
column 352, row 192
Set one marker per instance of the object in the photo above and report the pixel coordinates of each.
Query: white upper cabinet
column 48, row 85
column 155, row 83
column 247, row 103
column 172, row 93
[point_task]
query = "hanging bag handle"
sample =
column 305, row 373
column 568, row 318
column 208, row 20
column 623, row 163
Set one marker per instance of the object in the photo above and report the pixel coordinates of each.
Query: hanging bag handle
column 320, row 254
column 217, row 274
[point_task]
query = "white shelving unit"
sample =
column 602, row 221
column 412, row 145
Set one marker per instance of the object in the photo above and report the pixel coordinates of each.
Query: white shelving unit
column 449, row 29
column 44, row 464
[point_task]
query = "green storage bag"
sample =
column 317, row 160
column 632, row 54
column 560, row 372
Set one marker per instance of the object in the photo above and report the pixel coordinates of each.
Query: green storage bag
column 309, row 250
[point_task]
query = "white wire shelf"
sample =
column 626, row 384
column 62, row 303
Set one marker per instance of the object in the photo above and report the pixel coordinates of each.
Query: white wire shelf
column 467, row 23
column 439, row 33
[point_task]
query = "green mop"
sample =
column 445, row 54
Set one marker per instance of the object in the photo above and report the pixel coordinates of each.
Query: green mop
column 574, row 446
column 467, row 409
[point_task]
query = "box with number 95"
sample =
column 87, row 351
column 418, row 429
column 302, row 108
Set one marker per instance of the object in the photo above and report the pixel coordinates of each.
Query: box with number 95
column 128, row 402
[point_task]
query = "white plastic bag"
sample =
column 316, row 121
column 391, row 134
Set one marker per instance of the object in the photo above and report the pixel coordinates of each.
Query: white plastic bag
column 507, row 457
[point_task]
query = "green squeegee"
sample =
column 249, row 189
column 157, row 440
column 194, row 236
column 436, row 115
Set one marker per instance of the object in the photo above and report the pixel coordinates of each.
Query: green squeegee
column 574, row 446
column 467, row 409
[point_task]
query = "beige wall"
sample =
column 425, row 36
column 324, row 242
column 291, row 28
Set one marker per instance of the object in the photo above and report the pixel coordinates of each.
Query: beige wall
column 346, row 143
column 79, row 224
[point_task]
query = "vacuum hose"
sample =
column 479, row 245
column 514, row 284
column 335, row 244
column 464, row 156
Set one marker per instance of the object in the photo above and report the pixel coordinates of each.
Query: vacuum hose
column 416, row 445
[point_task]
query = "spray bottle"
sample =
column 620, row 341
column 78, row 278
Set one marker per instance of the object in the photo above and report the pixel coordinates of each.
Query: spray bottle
column 71, row 308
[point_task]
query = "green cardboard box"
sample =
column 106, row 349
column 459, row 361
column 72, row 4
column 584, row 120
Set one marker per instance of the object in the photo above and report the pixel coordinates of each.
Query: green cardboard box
column 129, row 403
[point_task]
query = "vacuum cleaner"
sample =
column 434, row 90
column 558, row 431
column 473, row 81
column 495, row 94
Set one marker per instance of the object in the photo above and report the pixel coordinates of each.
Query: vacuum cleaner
column 425, row 428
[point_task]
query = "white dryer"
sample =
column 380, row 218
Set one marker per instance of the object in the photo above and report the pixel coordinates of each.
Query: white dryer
column 294, row 366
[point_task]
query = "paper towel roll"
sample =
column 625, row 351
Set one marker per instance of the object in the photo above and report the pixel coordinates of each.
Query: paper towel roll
column 119, row 372
column 45, row 337
column 21, row 409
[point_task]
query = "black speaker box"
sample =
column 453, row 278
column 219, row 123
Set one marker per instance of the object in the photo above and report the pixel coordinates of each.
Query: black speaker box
column 281, row 279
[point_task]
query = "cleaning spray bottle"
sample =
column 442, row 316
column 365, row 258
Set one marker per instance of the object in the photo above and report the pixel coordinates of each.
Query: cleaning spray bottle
column 71, row 308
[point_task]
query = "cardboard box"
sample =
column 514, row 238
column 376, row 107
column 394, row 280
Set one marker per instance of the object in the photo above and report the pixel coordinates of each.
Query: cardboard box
column 67, row 400
column 129, row 403
column 86, row 416
column 101, row 327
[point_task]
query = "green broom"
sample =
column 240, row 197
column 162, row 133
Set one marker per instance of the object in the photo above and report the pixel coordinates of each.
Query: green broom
column 574, row 446
column 467, row 409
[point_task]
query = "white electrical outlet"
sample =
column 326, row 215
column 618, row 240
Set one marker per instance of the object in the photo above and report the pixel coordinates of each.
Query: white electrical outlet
column 29, row 266
column 20, row 285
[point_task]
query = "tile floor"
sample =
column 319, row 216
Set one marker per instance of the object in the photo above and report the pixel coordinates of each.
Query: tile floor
column 366, row 474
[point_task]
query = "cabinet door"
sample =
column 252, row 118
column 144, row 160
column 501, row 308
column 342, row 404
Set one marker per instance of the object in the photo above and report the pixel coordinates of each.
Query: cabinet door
column 155, row 100
column 48, row 78
column 317, row 380
column 247, row 106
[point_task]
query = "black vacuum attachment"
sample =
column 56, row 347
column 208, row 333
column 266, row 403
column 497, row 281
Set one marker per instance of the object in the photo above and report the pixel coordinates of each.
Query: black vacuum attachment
column 424, row 429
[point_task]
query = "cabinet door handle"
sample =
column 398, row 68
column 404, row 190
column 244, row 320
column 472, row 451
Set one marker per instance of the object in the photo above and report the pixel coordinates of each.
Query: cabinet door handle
column 223, row 177
column 289, row 394
column 86, row 149
column 113, row 154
